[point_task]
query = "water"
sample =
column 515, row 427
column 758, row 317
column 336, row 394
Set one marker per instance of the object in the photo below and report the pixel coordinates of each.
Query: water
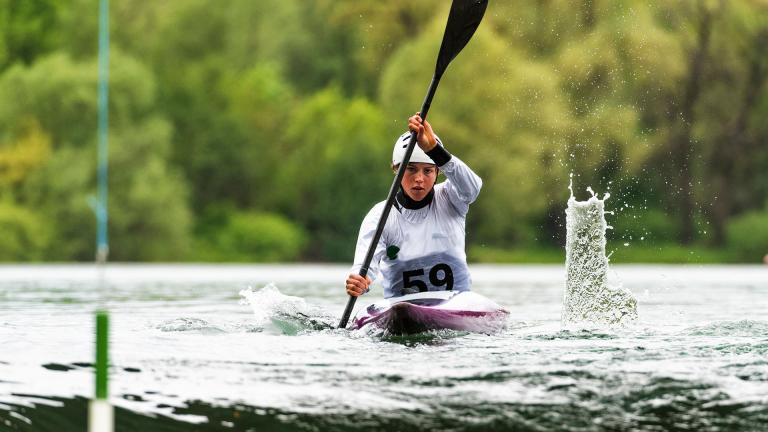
column 588, row 297
column 188, row 354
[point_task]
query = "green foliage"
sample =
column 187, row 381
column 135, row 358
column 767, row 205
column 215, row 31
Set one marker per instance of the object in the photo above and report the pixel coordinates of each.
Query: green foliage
column 649, row 225
column 25, row 151
column 28, row 28
column 251, row 236
column 57, row 93
column 239, row 122
column 259, row 103
column 149, row 215
column 24, row 235
column 381, row 28
column 336, row 159
column 748, row 235
column 489, row 254
column 59, row 190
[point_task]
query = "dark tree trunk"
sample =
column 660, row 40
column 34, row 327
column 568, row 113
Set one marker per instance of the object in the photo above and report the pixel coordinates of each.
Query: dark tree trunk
column 732, row 161
column 681, row 143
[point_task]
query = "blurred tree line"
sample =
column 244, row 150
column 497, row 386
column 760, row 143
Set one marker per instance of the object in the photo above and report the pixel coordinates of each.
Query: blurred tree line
column 262, row 130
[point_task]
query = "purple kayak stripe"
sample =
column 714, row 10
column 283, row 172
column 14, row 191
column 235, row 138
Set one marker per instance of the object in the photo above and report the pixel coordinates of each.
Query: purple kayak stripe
column 431, row 318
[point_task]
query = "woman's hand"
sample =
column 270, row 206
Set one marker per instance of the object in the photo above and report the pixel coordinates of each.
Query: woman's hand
column 426, row 137
column 357, row 285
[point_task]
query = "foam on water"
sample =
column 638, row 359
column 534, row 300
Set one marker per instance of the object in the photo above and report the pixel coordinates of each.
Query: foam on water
column 188, row 324
column 588, row 298
column 288, row 314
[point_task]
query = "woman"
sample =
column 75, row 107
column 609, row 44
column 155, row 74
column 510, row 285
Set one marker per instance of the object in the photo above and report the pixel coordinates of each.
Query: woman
column 422, row 245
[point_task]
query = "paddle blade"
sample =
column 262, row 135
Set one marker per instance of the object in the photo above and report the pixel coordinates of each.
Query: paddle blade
column 463, row 20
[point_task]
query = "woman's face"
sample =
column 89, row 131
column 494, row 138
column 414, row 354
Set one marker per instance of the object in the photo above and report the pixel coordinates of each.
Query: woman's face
column 418, row 180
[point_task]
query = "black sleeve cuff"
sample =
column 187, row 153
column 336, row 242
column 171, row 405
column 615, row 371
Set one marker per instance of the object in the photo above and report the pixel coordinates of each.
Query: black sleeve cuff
column 440, row 155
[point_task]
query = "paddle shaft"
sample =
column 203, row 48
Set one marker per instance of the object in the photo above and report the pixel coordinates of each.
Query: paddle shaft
column 391, row 198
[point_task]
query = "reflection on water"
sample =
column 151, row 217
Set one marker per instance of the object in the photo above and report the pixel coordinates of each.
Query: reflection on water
column 187, row 354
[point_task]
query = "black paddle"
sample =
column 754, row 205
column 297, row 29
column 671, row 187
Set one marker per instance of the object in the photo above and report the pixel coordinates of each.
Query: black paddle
column 463, row 20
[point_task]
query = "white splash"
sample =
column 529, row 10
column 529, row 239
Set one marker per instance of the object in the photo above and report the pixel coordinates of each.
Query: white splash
column 269, row 302
column 276, row 312
column 588, row 298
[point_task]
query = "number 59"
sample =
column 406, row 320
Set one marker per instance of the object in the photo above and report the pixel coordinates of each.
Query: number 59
column 434, row 278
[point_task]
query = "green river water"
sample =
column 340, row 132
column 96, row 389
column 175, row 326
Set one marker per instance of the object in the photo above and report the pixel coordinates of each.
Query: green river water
column 189, row 352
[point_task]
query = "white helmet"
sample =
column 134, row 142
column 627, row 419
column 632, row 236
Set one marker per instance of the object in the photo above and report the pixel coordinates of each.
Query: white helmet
column 418, row 154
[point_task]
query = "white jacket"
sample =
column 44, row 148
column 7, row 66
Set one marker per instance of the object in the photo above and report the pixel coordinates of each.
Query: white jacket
column 423, row 249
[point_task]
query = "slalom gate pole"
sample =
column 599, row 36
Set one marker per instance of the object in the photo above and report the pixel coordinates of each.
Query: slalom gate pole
column 100, row 411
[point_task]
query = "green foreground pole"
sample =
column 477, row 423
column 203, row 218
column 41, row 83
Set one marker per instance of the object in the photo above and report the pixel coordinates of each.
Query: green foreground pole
column 101, row 416
column 102, row 354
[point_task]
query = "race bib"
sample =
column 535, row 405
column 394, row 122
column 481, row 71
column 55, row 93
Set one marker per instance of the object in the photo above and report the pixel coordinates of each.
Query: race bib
column 439, row 272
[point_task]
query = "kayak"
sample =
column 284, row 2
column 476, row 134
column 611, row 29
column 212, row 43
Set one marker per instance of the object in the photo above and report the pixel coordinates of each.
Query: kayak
column 433, row 310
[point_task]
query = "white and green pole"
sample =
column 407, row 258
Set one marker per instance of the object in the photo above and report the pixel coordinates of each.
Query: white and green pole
column 101, row 413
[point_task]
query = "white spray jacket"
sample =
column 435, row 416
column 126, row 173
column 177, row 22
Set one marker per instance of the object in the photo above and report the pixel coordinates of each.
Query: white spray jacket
column 423, row 249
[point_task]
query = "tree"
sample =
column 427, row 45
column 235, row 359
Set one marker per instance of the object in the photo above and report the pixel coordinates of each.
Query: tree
column 23, row 150
column 732, row 128
column 23, row 233
column 380, row 29
column 250, row 236
column 147, row 202
column 28, row 28
column 335, row 166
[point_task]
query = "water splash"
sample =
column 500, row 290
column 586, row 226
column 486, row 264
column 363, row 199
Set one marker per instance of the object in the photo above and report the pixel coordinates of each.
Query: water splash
column 588, row 298
column 288, row 314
